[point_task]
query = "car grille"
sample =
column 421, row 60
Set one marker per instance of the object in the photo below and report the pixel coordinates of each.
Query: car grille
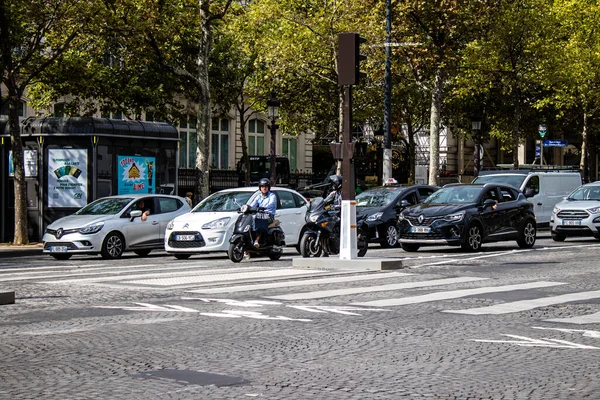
column 54, row 232
column 186, row 244
column 415, row 221
column 422, row 236
column 572, row 214
column 70, row 246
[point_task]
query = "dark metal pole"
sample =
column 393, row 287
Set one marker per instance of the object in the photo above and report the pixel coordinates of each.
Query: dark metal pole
column 387, row 109
column 348, row 186
column 273, row 157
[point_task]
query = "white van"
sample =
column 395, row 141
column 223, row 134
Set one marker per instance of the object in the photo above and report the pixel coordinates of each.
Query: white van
column 543, row 188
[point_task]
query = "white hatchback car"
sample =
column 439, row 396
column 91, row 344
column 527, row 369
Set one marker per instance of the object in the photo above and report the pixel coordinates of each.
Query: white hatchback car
column 209, row 226
column 578, row 214
column 111, row 225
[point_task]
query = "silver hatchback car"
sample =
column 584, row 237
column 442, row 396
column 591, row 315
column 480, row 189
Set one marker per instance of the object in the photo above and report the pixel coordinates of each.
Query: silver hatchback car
column 578, row 214
column 111, row 225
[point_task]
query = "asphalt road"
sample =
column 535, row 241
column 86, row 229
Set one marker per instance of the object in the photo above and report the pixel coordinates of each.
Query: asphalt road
column 503, row 323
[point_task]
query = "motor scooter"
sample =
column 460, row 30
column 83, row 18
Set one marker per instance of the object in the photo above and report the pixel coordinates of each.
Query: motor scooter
column 242, row 239
column 322, row 233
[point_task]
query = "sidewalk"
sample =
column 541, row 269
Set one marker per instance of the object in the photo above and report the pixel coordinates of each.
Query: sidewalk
column 8, row 250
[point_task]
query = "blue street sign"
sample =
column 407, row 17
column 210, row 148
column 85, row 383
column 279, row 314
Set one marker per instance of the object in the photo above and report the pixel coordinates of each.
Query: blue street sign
column 555, row 143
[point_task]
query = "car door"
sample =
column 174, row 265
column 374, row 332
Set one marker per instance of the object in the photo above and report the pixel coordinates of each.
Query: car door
column 140, row 233
column 509, row 213
column 490, row 216
column 291, row 212
column 168, row 208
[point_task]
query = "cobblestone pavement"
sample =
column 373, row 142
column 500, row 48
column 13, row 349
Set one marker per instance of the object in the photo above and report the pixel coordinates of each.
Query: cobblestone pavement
column 454, row 326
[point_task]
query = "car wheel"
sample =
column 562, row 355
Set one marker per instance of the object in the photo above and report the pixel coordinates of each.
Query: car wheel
column 473, row 238
column 113, row 246
column 558, row 237
column 527, row 237
column 390, row 236
column 182, row 256
column 61, row 257
column 142, row 253
column 410, row 247
column 309, row 247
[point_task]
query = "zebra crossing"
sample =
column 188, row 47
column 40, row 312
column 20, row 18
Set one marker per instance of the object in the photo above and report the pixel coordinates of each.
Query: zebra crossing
column 385, row 289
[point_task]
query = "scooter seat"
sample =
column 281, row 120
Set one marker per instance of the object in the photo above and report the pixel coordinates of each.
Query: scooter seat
column 274, row 224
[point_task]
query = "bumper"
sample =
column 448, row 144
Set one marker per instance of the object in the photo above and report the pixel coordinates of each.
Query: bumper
column 73, row 244
column 583, row 227
column 205, row 241
column 440, row 234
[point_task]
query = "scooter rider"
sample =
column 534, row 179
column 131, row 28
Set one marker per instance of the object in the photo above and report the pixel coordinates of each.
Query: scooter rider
column 266, row 202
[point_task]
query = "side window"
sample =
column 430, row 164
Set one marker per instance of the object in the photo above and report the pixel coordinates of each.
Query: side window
column 491, row 194
column 411, row 198
column 300, row 201
column 533, row 183
column 507, row 195
column 286, row 199
column 168, row 205
column 425, row 192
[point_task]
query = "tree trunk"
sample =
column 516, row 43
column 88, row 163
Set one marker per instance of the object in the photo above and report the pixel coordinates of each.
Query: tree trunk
column 583, row 162
column 515, row 131
column 245, row 159
column 434, row 128
column 411, row 151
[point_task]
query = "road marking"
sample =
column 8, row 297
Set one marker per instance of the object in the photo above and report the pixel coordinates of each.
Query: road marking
column 584, row 332
column 370, row 289
column 544, row 342
column 455, row 294
column 582, row 319
column 523, row 305
column 274, row 285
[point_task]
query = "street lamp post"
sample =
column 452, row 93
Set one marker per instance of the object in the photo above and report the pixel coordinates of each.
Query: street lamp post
column 387, row 110
column 273, row 112
column 477, row 148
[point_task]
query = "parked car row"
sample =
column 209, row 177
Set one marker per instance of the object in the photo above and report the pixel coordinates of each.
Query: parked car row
column 465, row 215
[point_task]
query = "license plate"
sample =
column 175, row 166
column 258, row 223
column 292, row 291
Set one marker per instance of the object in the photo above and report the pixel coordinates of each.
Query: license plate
column 58, row 249
column 420, row 229
column 571, row 222
column 184, row 238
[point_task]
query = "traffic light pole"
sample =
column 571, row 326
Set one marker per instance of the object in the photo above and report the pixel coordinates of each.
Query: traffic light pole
column 348, row 248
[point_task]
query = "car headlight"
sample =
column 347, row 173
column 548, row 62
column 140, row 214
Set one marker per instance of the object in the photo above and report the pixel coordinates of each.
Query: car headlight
column 374, row 217
column 455, row 217
column 171, row 224
column 556, row 210
column 217, row 223
column 594, row 210
column 91, row 229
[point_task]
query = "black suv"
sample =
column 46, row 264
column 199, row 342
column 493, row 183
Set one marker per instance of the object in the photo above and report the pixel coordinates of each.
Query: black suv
column 468, row 215
column 381, row 206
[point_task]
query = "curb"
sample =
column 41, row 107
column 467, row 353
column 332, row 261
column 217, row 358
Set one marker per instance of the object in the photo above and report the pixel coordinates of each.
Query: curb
column 10, row 252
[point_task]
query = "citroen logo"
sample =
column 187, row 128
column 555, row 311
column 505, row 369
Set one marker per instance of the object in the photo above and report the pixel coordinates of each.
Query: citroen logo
column 420, row 219
column 186, row 226
column 59, row 233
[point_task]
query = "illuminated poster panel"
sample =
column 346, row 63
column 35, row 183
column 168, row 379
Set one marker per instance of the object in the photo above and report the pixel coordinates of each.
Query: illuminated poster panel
column 30, row 163
column 67, row 178
column 135, row 174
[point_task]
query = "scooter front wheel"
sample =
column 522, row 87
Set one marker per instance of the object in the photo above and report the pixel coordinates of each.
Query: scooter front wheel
column 236, row 251
column 309, row 246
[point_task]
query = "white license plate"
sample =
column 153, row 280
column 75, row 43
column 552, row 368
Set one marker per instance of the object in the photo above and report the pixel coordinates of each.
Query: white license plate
column 58, row 249
column 571, row 222
column 184, row 238
column 420, row 229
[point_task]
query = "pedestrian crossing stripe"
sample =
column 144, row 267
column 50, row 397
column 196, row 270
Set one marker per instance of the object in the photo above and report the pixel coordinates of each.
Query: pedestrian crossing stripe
column 455, row 294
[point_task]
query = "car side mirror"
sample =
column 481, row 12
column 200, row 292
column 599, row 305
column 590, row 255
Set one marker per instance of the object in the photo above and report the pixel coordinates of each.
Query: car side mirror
column 135, row 213
column 529, row 192
column 489, row 203
column 404, row 203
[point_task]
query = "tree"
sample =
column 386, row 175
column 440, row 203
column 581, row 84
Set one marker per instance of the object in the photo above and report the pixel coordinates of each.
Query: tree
column 34, row 35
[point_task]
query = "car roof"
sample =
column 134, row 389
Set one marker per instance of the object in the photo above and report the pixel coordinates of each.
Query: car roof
column 254, row 189
column 139, row 196
column 482, row 185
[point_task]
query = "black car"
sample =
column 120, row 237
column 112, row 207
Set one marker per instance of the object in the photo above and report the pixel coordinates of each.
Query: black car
column 468, row 215
column 381, row 206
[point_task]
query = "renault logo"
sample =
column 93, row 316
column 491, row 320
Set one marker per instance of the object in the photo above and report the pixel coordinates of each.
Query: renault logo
column 59, row 233
column 420, row 219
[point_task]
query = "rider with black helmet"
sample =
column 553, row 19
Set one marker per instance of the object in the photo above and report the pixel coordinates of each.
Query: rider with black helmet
column 266, row 202
column 334, row 198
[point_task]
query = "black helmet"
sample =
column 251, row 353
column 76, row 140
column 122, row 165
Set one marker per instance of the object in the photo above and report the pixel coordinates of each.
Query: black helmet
column 335, row 181
column 264, row 182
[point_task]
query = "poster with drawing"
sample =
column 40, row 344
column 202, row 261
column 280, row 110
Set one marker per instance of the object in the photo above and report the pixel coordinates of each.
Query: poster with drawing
column 67, row 178
column 136, row 174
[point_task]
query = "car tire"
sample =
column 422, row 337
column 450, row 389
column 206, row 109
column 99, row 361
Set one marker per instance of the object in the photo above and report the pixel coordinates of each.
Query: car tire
column 528, row 234
column 558, row 237
column 473, row 238
column 182, row 256
column 61, row 257
column 142, row 253
column 411, row 248
column 390, row 236
column 113, row 246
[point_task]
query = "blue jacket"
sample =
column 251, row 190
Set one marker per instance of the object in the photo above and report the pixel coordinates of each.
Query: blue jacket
column 268, row 202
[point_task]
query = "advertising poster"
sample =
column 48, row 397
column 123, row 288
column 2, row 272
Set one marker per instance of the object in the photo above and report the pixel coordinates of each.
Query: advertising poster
column 67, row 178
column 136, row 174
column 30, row 163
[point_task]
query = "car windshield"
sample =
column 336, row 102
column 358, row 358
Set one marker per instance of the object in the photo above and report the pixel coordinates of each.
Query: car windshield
column 223, row 201
column 585, row 193
column 512, row 180
column 105, row 206
column 454, row 195
column 375, row 198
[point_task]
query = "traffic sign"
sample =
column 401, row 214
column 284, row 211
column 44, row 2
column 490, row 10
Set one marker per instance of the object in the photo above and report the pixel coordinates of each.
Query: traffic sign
column 555, row 143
